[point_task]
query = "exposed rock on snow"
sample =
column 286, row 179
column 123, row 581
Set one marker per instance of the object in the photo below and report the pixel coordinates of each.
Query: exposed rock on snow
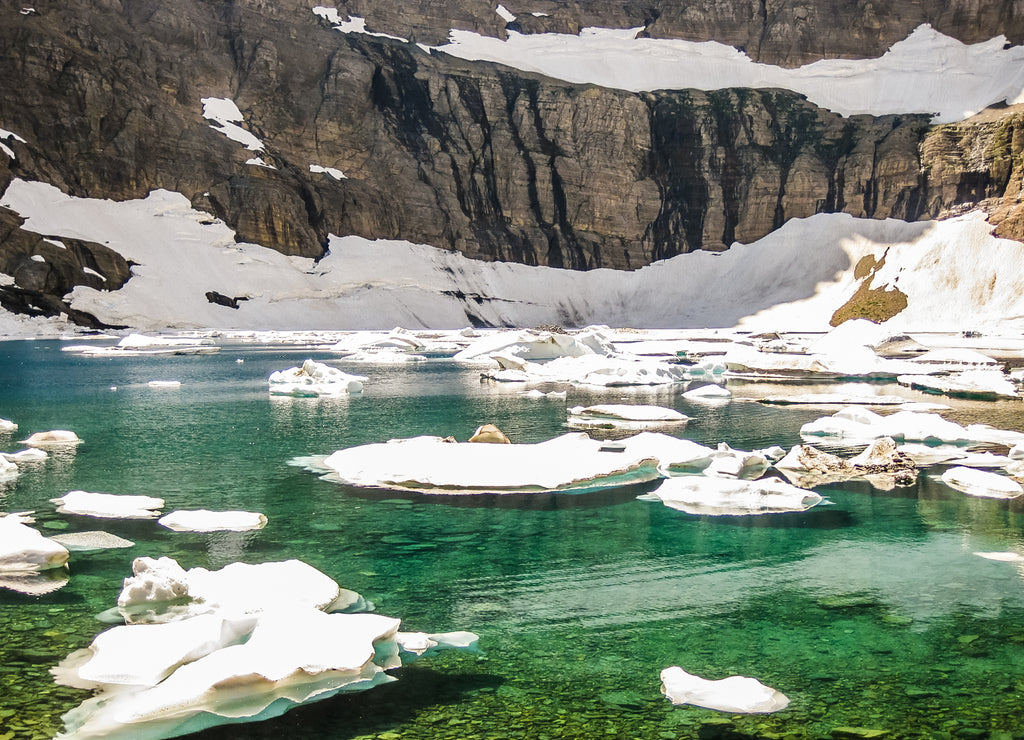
column 54, row 438
column 314, row 379
column 981, row 484
column 569, row 463
column 109, row 505
column 737, row 694
column 704, row 496
column 203, row 520
column 629, row 416
column 24, row 551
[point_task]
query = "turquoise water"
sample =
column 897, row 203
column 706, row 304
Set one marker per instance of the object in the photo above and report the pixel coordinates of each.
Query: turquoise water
column 869, row 612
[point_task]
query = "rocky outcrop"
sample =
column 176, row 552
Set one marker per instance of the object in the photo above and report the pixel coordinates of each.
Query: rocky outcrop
column 473, row 157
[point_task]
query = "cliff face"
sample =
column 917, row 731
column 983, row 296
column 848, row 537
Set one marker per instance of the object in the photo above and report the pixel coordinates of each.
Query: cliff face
column 469, row 156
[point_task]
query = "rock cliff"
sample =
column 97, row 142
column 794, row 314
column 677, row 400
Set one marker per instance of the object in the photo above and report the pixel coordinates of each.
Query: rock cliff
column 474, row 157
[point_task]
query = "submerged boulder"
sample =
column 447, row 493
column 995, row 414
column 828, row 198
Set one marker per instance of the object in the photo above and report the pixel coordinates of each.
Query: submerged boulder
column 736, row 694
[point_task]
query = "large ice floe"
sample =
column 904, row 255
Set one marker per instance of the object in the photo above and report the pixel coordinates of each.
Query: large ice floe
column 109, row 505
column 736, row 694
column 702, row 495
column 314, row 379
column 569, row 463
column 980, row 384
column 301, row 639
column 135, row 345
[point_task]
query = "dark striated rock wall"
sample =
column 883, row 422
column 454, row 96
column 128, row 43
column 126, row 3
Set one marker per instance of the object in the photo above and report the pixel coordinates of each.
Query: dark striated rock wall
column 467, row 156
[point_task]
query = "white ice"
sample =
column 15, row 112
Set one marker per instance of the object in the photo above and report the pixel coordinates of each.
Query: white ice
column 203, row 520
column 24, row 551
column 623, row 415
column 860, row 424
column 109, row 505
column 705, row 496
column 981, row 484
column 991, row 384
column 330, row 171
column 52, row 438
column 314, row 379
column 735, row 694
column 225, row 113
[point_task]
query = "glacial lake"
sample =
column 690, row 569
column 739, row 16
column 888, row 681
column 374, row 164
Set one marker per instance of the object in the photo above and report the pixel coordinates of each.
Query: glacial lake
column 871, row 611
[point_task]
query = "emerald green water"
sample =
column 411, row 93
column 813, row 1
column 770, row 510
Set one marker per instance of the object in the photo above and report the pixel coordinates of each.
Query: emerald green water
column 870, row 612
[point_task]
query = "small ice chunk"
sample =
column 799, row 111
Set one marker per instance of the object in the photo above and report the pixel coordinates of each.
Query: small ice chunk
column 203, row 520
column 7, row 425
column 982, row 484
column 108, row 505
column 1002, row 557
column 736, row 694
column 505, row 13
column 710, row 392
column 53, row 438
column 314, row 379
column 8, row 468
column 164, row 384
column 224, row 112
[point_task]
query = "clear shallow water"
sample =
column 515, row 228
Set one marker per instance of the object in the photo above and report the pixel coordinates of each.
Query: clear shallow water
column 869, row 612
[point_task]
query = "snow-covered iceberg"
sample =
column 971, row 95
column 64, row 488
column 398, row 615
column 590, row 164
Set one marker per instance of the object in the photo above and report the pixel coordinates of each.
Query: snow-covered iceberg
column 109, row 505
column 536, row 346
column 571, row 463
column 52, row 438
column 736, row 694
column 203, row 520
column 701, row 495
column 589, row 370
column 24, row 551
column 860, row 424
column 314, row 379
column 980, row 384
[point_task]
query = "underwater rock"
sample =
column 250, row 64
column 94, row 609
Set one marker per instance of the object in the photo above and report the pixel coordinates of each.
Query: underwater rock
column 91, row 541
column 108, row 505
column 738, row 694
column 203, row 520
column 703, row 496
column 314, row 379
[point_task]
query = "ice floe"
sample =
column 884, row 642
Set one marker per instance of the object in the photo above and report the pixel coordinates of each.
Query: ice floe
column 240, row 661
column 7, row 425
column 53, row 438
column 859, row 424
column 981, row 384
column 853, row 361
column 314, row 379
column 705, row 496
column 710, row 393
column 170, row 384
column 587, row 370
column 569, row 463
column 536, row 346
column 24, row 551
column 8, row 469
column 735, row 694
column 33, row 454
column 628, row 416
column 109, row 505
column 203, row 520
column 981, row 484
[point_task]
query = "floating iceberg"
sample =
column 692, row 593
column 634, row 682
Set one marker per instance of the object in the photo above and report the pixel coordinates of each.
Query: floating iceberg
column 314, row 379
column 832, row 399
column 674, row 455
column 24, row 551
column 30, row 455
column 981, row 484
column 8, row 469
column 859, row 424
column 737, row 694
column 591, row 370
column 624, row 416
column 980, row 384
column 571, row 463
column 164, row 384
column 141, row 344
column 7, row 426
column 851, row 361
column 712, row 392
column 203, row 520
column 234, row 664
column 703, row 496
column 53, row 438
column 108, row 505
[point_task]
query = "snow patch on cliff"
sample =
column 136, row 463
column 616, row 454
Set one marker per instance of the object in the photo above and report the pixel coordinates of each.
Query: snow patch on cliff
column 955, row 274
column 927, row 72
